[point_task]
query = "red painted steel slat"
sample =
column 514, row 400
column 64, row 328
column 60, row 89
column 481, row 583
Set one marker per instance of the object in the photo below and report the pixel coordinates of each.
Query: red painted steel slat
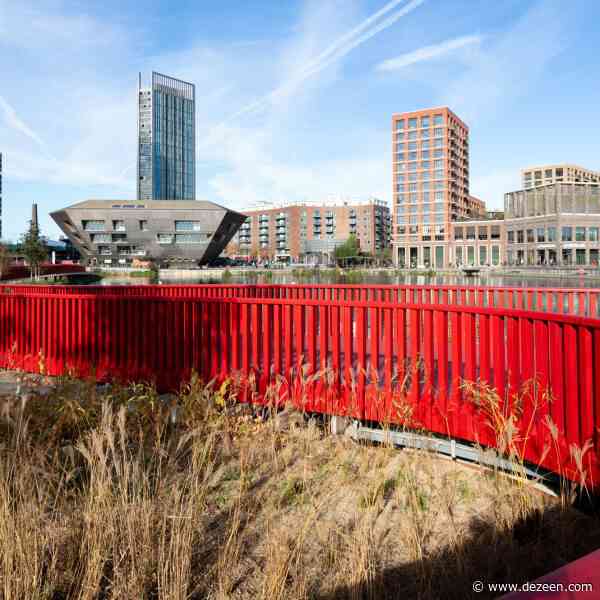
column 456, row 380
column 570, row 369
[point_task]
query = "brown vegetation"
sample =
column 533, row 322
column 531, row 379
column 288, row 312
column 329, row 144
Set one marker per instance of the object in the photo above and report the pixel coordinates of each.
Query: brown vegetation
column 115, row 492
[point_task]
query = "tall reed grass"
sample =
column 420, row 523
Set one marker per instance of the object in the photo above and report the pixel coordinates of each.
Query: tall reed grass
column 118, row 492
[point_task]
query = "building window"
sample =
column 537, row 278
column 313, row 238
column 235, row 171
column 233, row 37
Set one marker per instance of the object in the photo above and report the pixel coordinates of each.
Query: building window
column 400, row 124
column 412, row 123
column 164, row 238
column 495, row 232
column 458, row 233
column 412, row 135
column 495, row 255
column 567, row 234
column 438, row 119
column 593, row 234
column 482, row 255
column 470, row 255
column 580, row 234
column 100, row 238
column 520, row 237
column 425, row 144
column 459, row 255
column 424, row 121
column 470, row 233
column 541, row 234
column 425, row 155
column 530, row 237
column 551, row 234
column 118, row 225
column 510, row 236
column 93, row 225
column 437, row 132
column 187, row 225
column 143, row 225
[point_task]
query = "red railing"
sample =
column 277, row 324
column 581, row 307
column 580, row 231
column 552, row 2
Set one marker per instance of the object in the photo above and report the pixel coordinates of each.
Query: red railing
column 575, row 301
column 387, row 360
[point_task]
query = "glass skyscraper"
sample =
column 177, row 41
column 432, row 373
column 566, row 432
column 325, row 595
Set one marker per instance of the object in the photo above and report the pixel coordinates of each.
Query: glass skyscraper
column 166, row 167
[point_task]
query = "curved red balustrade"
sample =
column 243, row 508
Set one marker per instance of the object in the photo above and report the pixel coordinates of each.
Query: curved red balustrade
column 455, row 361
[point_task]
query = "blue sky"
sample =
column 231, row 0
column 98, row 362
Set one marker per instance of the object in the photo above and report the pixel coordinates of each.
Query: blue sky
column 294, row 97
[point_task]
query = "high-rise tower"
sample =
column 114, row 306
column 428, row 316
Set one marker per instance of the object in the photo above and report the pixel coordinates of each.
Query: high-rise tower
column 430, row 159
column 166, row 167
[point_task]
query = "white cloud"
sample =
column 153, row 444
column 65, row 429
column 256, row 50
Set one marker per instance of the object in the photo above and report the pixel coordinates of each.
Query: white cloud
column 428, row 53
column 14, row 122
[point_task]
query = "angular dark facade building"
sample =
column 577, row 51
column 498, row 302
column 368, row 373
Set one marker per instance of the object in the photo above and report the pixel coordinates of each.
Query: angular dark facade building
column 116, row 232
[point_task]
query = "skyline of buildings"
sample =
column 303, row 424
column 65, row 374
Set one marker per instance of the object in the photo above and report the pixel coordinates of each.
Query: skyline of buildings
column 434, row 221
column 290, row 232
column 166, row 163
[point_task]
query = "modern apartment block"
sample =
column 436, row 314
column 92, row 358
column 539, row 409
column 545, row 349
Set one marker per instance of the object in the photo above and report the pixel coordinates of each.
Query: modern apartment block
column 0, row 195
column 430, row 160
column 166, row 166
column 553, row 225
column 296, row 232
column 538, row 176
column 479, row 242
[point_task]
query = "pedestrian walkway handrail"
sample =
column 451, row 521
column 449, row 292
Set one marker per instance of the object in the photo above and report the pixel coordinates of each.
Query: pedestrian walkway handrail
column 467, row 372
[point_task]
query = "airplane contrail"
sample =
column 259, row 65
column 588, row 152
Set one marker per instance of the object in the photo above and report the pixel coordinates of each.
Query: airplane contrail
column 336, row 50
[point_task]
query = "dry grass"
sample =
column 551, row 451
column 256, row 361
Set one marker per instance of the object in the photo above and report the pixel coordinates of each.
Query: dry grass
column 103, row 494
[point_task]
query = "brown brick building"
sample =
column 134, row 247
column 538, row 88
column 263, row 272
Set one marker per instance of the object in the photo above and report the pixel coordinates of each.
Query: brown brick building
column 430, row 160
column 300, row 232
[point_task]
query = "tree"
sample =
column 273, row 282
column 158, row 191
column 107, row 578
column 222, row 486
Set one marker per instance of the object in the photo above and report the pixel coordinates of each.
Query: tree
column 33, row 249
column 4, row 260
column 350, row 249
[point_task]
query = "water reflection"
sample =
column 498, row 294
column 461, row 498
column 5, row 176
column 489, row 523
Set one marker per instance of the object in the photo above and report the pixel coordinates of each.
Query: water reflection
column 306, row 276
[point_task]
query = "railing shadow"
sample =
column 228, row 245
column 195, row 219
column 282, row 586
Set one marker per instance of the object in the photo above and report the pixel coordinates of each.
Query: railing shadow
column 533, row 547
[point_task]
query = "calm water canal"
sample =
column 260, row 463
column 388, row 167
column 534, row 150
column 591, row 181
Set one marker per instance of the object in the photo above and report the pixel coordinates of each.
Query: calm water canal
column 363, row 277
